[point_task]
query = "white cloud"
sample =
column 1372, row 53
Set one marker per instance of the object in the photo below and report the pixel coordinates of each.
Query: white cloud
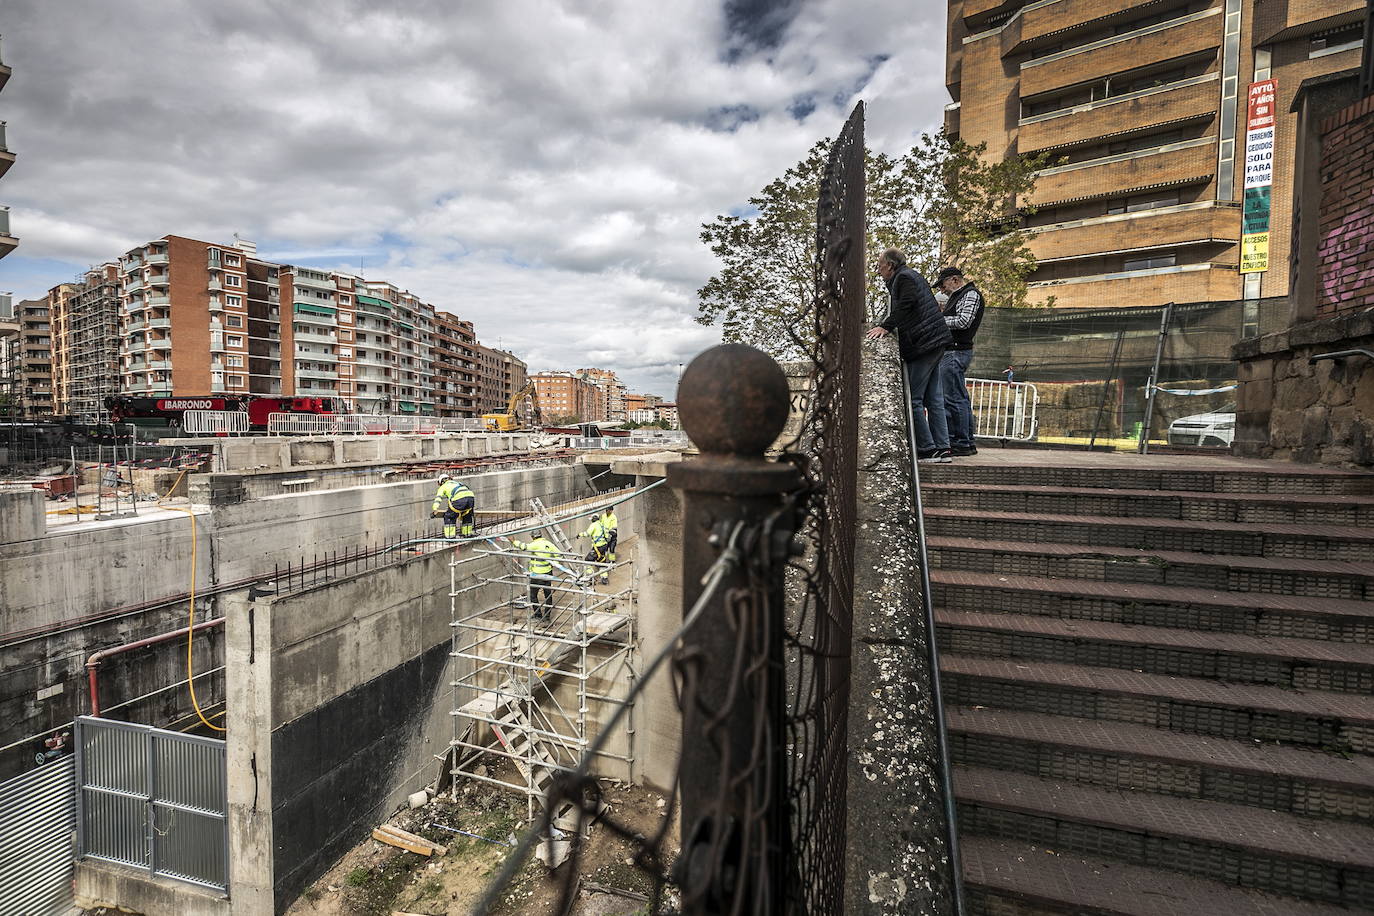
column 540, row 168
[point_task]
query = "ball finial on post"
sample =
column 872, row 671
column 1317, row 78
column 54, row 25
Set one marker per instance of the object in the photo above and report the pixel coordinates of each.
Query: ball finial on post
column 733, row 400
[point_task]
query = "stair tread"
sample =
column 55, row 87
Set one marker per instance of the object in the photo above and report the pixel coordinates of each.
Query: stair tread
column 1328, row 532
column 1128, row 738
column 1217, row 823
column 1348, row 707
column 1314, row 499
column 1176, row 594
column 1285, row 647
column 1115, row 887
column 1174, row 557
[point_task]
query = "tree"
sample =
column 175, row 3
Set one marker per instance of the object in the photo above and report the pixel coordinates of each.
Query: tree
column 938, row 202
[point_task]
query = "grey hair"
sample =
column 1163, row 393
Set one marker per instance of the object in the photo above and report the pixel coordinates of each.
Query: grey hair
column 894, row 257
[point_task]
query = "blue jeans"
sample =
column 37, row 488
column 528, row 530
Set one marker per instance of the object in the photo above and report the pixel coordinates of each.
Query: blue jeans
column 926, row 395
column 958, row 409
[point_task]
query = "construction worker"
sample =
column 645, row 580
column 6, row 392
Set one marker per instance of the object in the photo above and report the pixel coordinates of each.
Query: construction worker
column 600, row 537
column 455, row 502
column 612, row 525
column 540, row 570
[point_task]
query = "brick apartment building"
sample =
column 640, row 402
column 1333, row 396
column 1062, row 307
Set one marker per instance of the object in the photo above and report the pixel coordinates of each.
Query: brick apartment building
column 563, row 395
column 500, row 374
column 1143, row 107
column 454, row 367
column 612, row 408
column 33, row 378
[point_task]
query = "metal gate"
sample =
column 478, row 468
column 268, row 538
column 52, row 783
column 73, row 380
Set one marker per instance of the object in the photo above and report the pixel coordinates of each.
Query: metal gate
column 37, row 815
column 1003, row 410
column 152, row 799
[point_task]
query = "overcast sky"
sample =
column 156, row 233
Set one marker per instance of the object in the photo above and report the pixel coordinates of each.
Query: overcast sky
column 540, row 168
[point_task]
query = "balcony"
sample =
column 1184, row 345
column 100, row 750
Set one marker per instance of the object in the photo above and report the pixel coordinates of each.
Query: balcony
column 1159, row 228
column 159, row 300
column 163, row 343
column 161, row 323
column 313, row 282
column 156, row 257
column 133, row 284
column 215, row 286
column 315, row 336
column 1127, row 171
column 159, row 280
column 316, row 357
column 329, row 374
column 1182, row 38
column 1184, row 283
column 215, row 304
column 1188, row 100
column 132, row 263
column 133, row 327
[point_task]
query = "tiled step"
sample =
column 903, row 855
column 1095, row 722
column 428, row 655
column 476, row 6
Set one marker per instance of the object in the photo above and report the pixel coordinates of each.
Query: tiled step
column 1276, row 480
column 1254, row 614
column 1003, row 877
column 1326, row 542
column 1272, row 575
column 1337, row 721
column 1301, row 663
column 1122, row 755
column 1243, row 508
column 1269, row 851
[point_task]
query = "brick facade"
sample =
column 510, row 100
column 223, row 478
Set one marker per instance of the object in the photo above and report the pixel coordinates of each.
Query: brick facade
column 1345, row 252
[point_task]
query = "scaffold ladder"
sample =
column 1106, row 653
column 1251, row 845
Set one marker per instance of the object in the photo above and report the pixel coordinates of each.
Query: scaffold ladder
column 542, row 516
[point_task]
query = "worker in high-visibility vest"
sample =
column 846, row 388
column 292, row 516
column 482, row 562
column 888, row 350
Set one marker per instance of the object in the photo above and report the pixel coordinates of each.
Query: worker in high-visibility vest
column 600, row 537
column 456, row 503
column 539, row 567
column 612, row 525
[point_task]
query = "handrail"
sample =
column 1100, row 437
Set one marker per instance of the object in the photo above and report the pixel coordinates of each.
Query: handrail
column 1339, row 354
column 933, row 654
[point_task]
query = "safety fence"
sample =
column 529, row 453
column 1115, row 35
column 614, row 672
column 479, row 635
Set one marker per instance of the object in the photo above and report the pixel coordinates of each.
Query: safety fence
column 1003, row 410
column 37, row 815
column 152, row 799
column 593, row 443
column 214, row 422
column 288, row 424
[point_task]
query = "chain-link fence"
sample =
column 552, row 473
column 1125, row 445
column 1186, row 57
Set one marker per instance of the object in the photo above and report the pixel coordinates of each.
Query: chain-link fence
column 1095, row 369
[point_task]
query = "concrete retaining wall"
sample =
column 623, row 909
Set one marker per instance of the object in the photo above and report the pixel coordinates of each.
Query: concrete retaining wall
column 282, row 453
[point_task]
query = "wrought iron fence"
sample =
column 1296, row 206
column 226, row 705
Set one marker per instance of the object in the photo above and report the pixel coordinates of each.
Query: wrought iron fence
column 152, row 799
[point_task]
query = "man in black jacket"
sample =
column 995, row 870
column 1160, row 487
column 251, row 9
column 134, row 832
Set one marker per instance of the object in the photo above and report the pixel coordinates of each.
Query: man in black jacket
column 921, row 340
column 963, row 314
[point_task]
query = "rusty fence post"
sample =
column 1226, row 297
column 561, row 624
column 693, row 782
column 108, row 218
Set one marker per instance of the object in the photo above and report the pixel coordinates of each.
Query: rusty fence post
column 733, row 401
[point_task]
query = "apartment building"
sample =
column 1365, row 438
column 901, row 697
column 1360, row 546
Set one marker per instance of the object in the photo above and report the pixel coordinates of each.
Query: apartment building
column 500, row 374
column 455, row 368
column 1169, row 129
column 612, row 402
column 7, row 241
column 34, row 388
column 86, row 342
column 564, row 396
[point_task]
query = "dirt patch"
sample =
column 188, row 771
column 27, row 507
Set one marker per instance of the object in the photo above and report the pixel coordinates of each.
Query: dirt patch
column 374, row 879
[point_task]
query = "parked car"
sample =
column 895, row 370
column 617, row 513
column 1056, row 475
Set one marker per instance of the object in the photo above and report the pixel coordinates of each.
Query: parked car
column 1217, row 428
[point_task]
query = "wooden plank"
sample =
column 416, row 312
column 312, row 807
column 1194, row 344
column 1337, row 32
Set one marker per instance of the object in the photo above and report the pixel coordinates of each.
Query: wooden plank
column 414, row 838
column 390, row 839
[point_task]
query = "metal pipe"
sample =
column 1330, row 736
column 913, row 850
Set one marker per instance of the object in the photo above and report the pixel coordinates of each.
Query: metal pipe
column 1339, row 354
column 1143, row 446
column 956, row 875
column 93, row 663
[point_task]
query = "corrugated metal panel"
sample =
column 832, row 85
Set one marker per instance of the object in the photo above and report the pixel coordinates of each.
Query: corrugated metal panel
column 37, row 817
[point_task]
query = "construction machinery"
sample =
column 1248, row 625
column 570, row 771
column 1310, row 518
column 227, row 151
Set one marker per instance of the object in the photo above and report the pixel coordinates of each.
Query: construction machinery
column 510, row 419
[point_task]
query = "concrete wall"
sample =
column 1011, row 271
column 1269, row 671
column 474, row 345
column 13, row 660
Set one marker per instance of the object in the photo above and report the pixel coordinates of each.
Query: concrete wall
column 287, row 452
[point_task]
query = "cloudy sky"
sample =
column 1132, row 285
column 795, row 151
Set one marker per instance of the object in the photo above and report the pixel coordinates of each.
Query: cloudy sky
column 539, row 167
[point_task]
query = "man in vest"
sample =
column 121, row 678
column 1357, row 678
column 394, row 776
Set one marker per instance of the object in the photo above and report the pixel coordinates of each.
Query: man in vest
column 963, row 314
column 600, row 537
column 922, row 336
column 539, row 567
column 613, row 529
column 454, row 501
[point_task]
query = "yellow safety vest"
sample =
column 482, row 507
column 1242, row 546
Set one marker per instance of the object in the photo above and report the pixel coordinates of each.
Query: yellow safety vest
column 598, row 533
column 540, row 564
column 611, row 522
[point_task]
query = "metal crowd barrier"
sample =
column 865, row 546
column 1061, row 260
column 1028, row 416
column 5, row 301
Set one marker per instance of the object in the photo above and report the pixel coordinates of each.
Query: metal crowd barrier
column 1003, row 410
column 288, row 424
column 214, row 422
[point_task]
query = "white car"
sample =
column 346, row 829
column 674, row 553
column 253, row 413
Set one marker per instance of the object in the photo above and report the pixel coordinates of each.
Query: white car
column 1209, row 429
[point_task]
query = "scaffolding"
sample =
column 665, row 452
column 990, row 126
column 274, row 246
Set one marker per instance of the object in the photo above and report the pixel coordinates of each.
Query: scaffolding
column 528, row 687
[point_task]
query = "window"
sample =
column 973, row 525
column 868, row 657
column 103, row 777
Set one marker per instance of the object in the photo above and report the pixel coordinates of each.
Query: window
column 345, row 335
column 231, row 260
column 346, row 317
column 1159, row 260
column 233, row 280
column 345, row 300
column 1334, row 41
column 1143, row 202
column 234, row 321
column 235, row 381
column 1147, row 141
column 233, row 362
column 233, row 341
column 233, row 301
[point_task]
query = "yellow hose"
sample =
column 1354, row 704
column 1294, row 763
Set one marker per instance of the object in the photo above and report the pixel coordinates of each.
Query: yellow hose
column 191, row 616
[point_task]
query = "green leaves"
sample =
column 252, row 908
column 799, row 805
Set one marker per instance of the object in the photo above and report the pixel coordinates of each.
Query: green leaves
column 939, row 202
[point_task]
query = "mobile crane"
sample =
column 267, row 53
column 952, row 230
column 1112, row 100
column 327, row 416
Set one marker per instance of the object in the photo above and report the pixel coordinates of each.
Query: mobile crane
column 509, row 420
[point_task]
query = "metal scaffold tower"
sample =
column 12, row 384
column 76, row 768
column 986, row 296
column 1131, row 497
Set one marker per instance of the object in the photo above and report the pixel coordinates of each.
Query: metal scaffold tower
column 535, row 682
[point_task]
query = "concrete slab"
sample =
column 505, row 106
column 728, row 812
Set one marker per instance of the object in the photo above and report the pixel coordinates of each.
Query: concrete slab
column 993, row 455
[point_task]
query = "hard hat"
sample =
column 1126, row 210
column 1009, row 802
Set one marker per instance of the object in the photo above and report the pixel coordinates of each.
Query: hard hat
column 443, row 477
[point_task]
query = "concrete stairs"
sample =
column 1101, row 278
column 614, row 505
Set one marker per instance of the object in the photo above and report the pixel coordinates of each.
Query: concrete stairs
column 1159, row 684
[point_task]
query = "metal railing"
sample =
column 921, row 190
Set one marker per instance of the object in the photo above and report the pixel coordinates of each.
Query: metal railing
column 306, row 424
column 152, row 799
column 214, row 422
column 1003, row 410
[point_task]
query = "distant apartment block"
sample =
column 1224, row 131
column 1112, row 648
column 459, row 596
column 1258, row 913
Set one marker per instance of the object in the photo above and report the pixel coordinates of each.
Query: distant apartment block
column 500, row 374
column 563, row 395
column 7, row 241
column 86, row 343
column 1142, row 107
column 612, row 406
column 34, row 384
column 454, row 366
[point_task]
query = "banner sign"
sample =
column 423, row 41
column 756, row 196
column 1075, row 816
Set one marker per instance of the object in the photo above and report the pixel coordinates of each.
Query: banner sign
column 1259, row 177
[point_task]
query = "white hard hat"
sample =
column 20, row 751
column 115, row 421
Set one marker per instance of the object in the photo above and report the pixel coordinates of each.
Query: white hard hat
column 443, row 477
